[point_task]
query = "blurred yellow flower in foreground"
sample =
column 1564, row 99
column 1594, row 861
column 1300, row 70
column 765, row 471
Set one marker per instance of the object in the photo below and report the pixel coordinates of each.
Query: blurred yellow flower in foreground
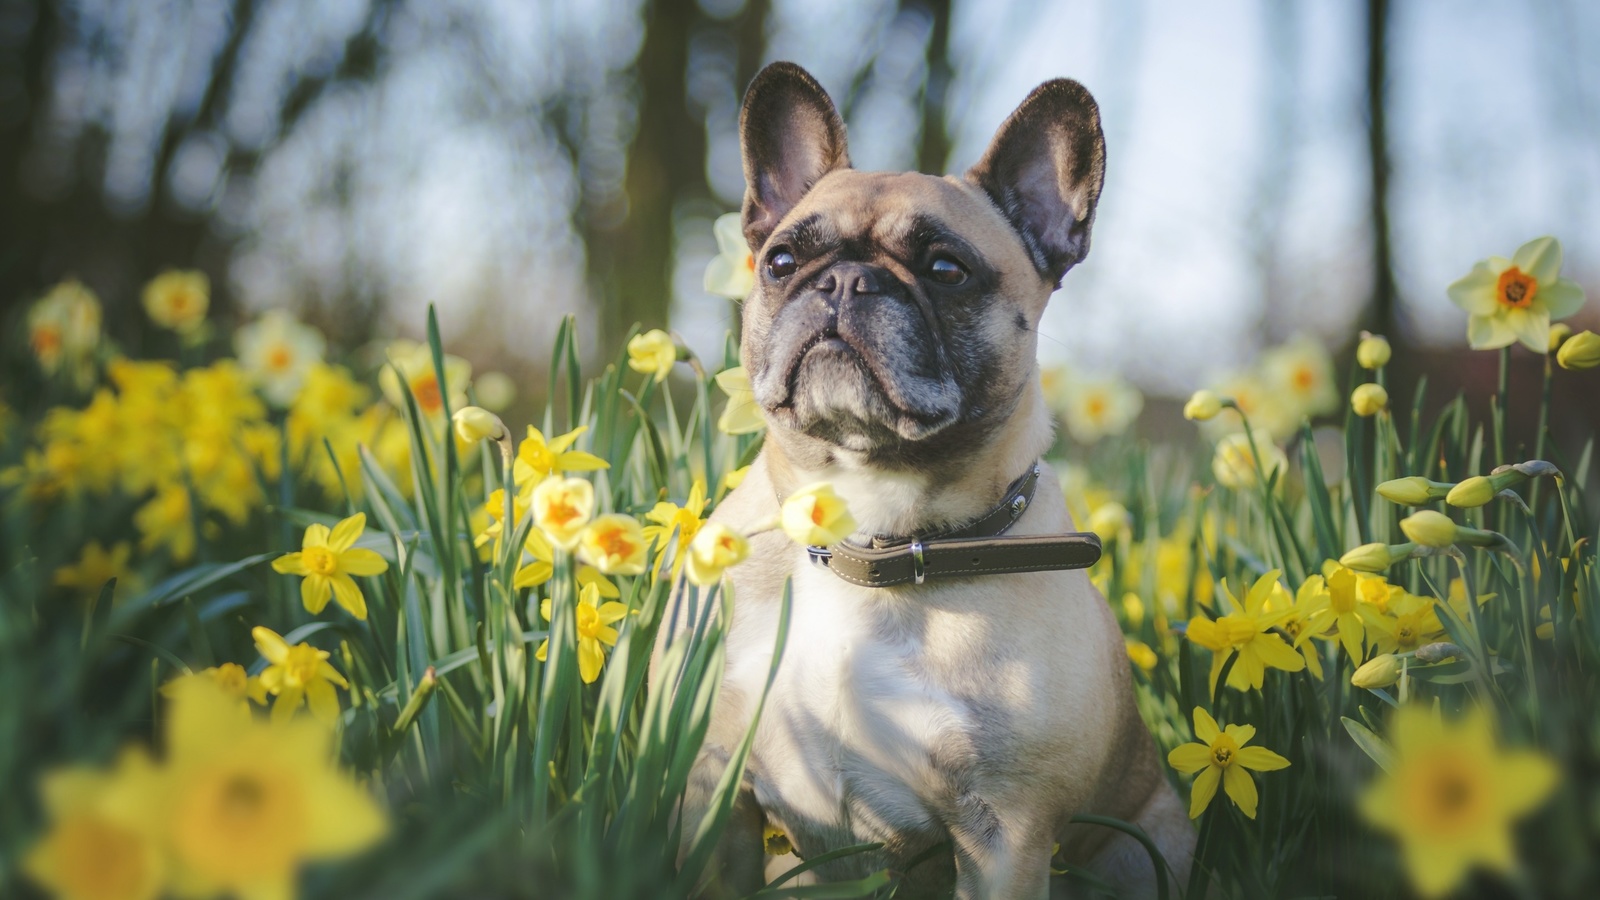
column 278, row 350
column 326, row 561
column 652, row 353
column 742, row 414
column 715, row 548
column 1099, row 407
column 178, row 300
column 1221, row 758
column 1236, row 459
column 298, row 674
column 104, row 838
column 614, row 544
column 595, row 631
column 1247, row 632
column 816, row 515
column 64, row 329
column 231, row 678
column 1516, row 299
column 1452, row 796
column 250, row 801
column 561, row 508
column 732, row 272
column 166, row 521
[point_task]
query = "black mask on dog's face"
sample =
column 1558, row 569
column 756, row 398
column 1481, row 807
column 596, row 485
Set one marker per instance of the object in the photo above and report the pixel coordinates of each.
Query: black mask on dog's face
column 893, row 314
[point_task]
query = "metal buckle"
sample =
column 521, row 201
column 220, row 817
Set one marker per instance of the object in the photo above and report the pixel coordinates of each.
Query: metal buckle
column 918, row 565
column 819, row 555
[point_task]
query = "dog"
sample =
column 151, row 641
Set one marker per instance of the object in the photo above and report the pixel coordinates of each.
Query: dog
column 890, row 341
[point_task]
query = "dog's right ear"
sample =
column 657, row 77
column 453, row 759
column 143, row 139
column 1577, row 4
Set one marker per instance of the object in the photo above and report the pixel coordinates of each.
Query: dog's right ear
column 791, row 136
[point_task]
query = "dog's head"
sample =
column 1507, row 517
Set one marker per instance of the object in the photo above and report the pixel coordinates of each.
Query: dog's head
column 893, row 316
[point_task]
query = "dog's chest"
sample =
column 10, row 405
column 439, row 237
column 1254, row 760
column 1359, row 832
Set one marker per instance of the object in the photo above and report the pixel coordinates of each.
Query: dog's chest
column 863, row 738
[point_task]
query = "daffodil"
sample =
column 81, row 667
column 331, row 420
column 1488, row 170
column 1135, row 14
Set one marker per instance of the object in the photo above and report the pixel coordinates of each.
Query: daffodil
column 1095, row 408
column 1237, row 457
column 816, row 515
column 667, row 517
column 474, row 424
column 278, row 350
column 1140, row 654
column 715, row 548
column 614, row 544
column 1300, row 372
column 1268, row 410
column 1369, row 399
column 1452, row 796
column 732, row 272
column 1246, row 632
column 1378, row 672
column 1430, row 528
column 250, row 802
column 1221, row 758
column 538, row 459
column 1413, row 490
column 1411, row 622
column 411, row 369
column 1516, row 299
column 104, row 835
column 652, row 353
column 495, row 511
column 742, row 414
column 1298, row 617
column 298, row 675
column 166, row 520
column 1203, row 406
column 595, row 630
column 95, row 567
column 64, row 330
column 1373, row 352
column 1336, row 600
column 177, row 300
column 230, row 678
column 541, row 568
column 326, row 561
column 1580, row 352
column 561, row 508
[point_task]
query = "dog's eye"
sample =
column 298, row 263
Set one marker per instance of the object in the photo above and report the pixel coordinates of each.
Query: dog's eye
column 945, row 270
column 781, row 264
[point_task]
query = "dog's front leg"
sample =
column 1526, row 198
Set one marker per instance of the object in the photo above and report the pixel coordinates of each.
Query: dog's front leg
column 736, row 867
column 1000, row 855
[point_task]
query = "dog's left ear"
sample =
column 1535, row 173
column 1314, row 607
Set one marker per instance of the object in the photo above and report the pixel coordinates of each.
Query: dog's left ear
column 1044, row 169
column 791, row 136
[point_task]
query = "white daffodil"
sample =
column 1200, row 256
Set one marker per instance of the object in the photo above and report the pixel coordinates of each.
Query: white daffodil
column 1516, row 299
column 732, row 272
column 277, row 350
column 414, row 362
column 1300, row 374
column 1097, row 407
column 742, row 415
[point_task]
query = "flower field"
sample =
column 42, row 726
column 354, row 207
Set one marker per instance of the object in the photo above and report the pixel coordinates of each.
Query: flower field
column 279, row 624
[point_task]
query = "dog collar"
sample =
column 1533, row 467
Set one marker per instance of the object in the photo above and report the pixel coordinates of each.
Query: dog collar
column 978, row 548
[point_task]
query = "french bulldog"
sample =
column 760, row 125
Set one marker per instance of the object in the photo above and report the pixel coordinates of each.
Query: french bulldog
column 890, row 341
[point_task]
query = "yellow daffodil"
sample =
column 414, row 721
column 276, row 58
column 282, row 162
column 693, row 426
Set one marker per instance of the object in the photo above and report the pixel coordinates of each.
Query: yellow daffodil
column 95, row 567
column 1457, row 599
column 1269, row 410
column 278, row 350
column 1234, row 464
column 668, row 518
column 1109, row 520
column 1582, row 351
column 1373, row 352
column 296, row 675
column 1203, row 406
column 595, row 631
column 1516, row 299
column 250, row 802
column 166, row 521
column 742, row 414
column 539, row 570
column 1140, row 654
column 538, row 459
column 325, row 563
column 1452, row 795
column 561, row 508
column 715, row 548
column 652, row 353
column 474, row 424
column 1298, row 617
column 732, row 272
column 1221, row 758
column 104, row 836
column 614, row 544
column 231, row 678
column 411, row 367
column 1369, row 399
column 1300, row 372
column 178, row 300
column 1411, row 622
column 816, row 515
column 1246, row 632
column 1095, row 408
column 1336, row 600
column 495, row 511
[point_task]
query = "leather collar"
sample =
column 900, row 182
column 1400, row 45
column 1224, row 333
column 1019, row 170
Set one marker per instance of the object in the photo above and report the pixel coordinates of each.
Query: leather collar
column 977, row 548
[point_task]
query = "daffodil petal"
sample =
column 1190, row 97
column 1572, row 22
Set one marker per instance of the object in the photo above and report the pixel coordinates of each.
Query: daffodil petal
column 1189, row 757
column 1241, row 734
column 349, row 596
column 287, row 704
column 1205, row 787
column 316, row 536
column 289, row 564
column 314, row 593
column 270, row 645
column 324, row 702
column 1205, row 727
column 590, row 659
column 1474, row 292
column 1541, row 258
column 1489, row 332
column 1532, row 327
column 612, row 612
column 361, row 561
column 1561, row 297
column 1242, row 788
column 1259, row 758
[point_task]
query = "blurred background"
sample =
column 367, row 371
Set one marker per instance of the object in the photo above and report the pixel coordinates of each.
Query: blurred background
column 1274, row 167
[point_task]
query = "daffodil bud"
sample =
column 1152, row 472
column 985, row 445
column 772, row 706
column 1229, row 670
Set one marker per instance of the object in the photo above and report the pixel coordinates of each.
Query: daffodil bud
column 1581, row 351
column 1108, row 520
column 1369, row 399
column 1378, row 672
column 1373, row 351
column 474, row 424
column 1413, row 490
column 1202, row 406
column 817, row 516
column 1475, row 491
column 1367, row 558
column 1429, row 528
column 1559, row 332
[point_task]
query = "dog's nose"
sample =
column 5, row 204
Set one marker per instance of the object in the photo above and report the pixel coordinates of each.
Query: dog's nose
column 846, row 281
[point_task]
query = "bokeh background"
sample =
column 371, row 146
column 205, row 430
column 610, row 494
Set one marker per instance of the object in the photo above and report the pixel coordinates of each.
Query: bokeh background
column 1274, row 167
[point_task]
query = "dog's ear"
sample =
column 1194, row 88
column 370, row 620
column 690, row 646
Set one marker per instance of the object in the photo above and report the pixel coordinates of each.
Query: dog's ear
column 791, row 136
column 1044, row 169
